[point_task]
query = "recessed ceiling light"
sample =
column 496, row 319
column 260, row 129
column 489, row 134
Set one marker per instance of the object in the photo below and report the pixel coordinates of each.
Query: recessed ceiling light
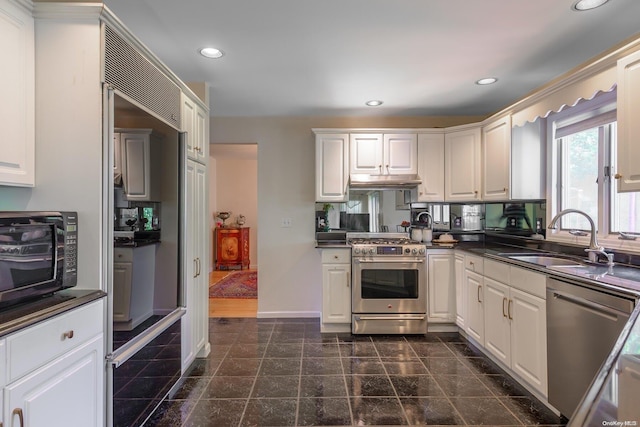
column 581, row 5
column 211, row 52
column 487, row 81
column 373, row 103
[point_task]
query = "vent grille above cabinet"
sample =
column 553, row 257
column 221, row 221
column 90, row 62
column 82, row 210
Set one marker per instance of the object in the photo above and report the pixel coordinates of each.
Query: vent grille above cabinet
column 127, row 71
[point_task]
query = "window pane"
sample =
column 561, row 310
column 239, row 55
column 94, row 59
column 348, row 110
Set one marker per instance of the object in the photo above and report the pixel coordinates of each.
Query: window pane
column 579, row 174
column 625, row 207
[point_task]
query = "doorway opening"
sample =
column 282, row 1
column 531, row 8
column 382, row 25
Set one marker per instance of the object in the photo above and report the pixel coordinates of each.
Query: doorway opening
column 233, row 209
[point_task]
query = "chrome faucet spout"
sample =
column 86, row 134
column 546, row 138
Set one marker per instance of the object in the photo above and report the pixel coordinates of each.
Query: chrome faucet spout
column 594, row 248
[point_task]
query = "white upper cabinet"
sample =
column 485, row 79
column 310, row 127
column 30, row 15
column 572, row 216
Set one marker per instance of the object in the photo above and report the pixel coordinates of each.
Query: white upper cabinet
column 388, row 154
column 462, row 163
column 194, row 123
column 140, row 168
column 496, row 159
column 628, row 173
column 332, row 167
column 431, row 166
column 528, row 161
column 400, row 154
column 17, row 99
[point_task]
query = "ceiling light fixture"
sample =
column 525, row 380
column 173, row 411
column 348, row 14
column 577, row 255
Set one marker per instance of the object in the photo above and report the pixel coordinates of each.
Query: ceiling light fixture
column 582, row 5
column 211, row 52
column 373, row 103
column 486, row 81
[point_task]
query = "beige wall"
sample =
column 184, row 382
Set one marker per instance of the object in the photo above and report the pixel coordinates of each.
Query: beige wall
column 233, row 186
column 288, row 263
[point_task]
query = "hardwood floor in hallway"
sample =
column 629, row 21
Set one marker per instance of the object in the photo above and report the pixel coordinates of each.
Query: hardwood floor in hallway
column 230, row 307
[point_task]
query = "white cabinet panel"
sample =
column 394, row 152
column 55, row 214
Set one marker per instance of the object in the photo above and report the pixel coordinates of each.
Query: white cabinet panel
column 366, row 151
column 496, row 159
column 17, row 95
column 336, row 293
column 497, row 331
column 139, row 164
column 441, row 287
column 462, row 164
column 461, row 294
column 628, row 172
column 529, row 161
column 332, row 167
column 529, row 339
column 400, row 154
column 474, row 288
column 431, row 167
column 122, row 273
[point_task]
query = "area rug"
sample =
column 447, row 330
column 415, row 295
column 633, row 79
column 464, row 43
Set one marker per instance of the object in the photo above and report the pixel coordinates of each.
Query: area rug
column 239, row 284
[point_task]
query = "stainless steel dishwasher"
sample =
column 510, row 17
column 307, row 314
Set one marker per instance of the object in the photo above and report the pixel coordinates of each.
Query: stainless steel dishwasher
column 583, row 324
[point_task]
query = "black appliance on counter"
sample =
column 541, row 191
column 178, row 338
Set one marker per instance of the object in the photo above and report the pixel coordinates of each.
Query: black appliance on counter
column 38, row 254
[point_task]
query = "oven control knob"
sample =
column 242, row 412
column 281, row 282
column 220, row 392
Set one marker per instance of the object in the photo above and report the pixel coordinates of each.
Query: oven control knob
column 371, row 251
column 414, row 251
column 407, row 250
column 422, row 251
column 356, row 251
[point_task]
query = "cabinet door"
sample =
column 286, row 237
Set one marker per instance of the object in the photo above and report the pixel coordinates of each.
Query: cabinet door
column 336, row 293
column 400, row 154
column 529, row 338
column 66, row 392
column 366, row 153
column 194, row 324
column 441, row 288
column 461, row 294
column 462, row 165
column 628, row 123
column 136, row 166
column 332, row 167
column 431, row 167
column 497, row 328
column 117, row 156
column 496, row 159
column 201, row 143
column 475, row 308
column 189, row 125
column 122, row 273
column 17, row 96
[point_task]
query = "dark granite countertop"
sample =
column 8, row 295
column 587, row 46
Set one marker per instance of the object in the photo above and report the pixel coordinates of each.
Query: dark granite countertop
column 17, row 317
column 136, row 243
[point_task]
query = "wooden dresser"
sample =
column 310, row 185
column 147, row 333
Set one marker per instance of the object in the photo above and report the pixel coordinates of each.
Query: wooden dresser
column 231, row 247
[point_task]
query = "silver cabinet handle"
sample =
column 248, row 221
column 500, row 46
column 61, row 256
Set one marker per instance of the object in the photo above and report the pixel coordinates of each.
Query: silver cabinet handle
column 479, row 288
column 504, row 300
column 68, row 334
column 18, row 412
column 199, row 266
column 389, row 318
column 348, row 283
column 509, row 309
column 195, row 268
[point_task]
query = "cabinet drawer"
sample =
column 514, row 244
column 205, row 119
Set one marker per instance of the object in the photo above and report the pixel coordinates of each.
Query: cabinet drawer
column 29, row 349
column 528, row 281
column 336, row 256
column 474, row 263
column 123, row 255
column 496, row 270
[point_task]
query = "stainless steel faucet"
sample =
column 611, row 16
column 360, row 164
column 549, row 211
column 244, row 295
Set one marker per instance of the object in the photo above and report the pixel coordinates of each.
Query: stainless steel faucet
column 594, row 248
column 425, row 213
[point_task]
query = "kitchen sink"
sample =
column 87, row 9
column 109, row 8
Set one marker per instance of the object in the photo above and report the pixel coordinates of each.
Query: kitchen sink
column 595, row 271
column 546, row 260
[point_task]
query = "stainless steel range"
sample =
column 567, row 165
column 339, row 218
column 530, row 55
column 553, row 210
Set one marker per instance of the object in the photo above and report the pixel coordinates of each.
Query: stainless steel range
column 389, row 293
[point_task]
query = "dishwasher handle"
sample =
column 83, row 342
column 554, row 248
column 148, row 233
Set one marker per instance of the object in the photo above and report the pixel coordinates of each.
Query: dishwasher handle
column 600, row 309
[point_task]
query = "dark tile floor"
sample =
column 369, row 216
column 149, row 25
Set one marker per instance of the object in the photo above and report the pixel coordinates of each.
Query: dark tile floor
column 284, row 372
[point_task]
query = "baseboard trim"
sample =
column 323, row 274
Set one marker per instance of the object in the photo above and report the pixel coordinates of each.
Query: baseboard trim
column 287, row 314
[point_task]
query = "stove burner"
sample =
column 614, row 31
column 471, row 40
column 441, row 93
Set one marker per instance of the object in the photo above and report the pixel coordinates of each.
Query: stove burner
column 382, row 241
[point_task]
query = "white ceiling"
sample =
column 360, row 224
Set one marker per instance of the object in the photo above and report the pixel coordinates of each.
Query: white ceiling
column 327, row 57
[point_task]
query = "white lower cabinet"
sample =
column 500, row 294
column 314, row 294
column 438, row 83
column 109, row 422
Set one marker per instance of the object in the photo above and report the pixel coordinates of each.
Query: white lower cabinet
column 441, row 298
column 474, row 322
column 515, row 321
column 336, row 290
column 461, row 295
column 55, row 371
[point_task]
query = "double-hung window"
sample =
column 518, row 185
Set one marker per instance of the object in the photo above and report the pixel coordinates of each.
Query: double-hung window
column 584, row 167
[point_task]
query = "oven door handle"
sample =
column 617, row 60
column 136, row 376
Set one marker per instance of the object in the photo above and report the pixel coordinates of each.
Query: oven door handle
column 390, row 317
column 390, row 261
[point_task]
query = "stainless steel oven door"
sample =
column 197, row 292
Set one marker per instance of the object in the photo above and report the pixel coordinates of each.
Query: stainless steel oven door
column 389, row 286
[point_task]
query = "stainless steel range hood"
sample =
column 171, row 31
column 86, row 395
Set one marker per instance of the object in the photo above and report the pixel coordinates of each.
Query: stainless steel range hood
column 384, row 182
